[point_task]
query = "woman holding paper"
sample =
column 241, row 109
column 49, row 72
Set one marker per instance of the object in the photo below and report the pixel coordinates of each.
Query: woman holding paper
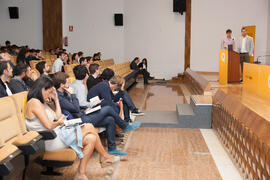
column 40, row 117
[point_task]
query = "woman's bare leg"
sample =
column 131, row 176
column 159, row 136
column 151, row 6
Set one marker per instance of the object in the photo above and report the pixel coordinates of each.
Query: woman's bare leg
column 89, row 142
column 90, row 129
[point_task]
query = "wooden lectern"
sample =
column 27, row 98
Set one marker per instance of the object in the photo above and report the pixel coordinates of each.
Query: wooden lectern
column 229, row 67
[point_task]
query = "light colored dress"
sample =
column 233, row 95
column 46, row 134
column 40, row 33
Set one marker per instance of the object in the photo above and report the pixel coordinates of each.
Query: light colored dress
column 66, row 136
column 34, row 124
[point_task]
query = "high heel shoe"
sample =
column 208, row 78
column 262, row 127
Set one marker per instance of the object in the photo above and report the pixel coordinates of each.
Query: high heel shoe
column 108, row 162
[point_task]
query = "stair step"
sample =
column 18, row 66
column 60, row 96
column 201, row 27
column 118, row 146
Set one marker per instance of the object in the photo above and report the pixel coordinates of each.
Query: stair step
column 185, row 110
column 201, row 99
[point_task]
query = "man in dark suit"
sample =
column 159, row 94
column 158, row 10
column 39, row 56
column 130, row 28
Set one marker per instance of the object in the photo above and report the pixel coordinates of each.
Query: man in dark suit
column 17, row 84
column 134, row 65
column 93, row 78
column 5, row 74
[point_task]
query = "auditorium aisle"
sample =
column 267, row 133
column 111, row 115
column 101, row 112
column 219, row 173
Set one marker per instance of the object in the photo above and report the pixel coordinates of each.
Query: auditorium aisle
column 171, row 153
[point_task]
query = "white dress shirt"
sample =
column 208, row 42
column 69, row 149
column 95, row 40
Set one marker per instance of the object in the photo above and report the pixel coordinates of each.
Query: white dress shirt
column 57, row 65
column 243, row 48
column 8, row 90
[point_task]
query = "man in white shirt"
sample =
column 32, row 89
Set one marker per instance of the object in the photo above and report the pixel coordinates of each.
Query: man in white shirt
column 59, row 62
column 5, row 74
column 245, row 47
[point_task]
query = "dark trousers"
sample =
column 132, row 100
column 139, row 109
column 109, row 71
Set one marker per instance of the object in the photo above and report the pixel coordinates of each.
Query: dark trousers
column 244, row 57
column 145, row 74
column 106, row 117
column 128, row 104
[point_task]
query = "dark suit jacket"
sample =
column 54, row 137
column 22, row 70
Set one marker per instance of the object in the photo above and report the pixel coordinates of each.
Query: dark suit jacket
column 17, row 86
column 141, row 65
column 3, row 92
column 91, row 82
column 133, row 65
column 103, row 91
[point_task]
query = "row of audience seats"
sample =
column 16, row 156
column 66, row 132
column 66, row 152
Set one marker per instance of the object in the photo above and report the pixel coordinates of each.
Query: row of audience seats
column 124, row 71
column 105, row 63
column 15, row 140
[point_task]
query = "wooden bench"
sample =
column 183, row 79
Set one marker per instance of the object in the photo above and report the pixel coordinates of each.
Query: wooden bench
column 105, row 63
column 244, row 134
column 196, row 83
column 123, row 70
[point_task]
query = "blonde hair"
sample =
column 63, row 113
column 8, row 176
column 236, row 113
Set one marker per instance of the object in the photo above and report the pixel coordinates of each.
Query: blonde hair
column 117, row 80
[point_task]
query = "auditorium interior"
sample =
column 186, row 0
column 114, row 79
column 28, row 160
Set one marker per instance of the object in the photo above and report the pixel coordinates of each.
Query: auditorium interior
column 191, row 79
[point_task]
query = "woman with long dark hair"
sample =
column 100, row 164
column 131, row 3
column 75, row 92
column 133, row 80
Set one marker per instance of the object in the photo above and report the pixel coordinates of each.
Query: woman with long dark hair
column 143, row 66
column 23, row 54
column 83, row 139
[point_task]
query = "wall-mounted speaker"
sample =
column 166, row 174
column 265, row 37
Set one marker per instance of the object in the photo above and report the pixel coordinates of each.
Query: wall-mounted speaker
column 13, row 12
column 118, row 19
column 179, row 6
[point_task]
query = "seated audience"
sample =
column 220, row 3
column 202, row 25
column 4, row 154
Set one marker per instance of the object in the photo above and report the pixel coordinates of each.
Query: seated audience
column 93, row 78
column 43, row 68
column 4, row 56
column 96, row 57
column 17, row 84
column 83, row 139
column 143, row 66
column 83, row 62
column 7, row 43
column 29, row 77
column 23, row 55
column 89, row 60
column 134, row 65
column 51, row 51
column 106, row 117
column 66, row 59
column 5, row 74
column 75, row 58
column 39, row 55
column 105, row 90
column 80, row 55
column 14, row 50
column 59, row 62
column 99, row 56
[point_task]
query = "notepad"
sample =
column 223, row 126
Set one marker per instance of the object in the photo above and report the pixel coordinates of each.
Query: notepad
column 96, row 98
column 93, row 109
column 72, row 122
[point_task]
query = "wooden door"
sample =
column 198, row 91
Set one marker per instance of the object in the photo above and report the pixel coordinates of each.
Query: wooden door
column 52, row 24
column 251, row 31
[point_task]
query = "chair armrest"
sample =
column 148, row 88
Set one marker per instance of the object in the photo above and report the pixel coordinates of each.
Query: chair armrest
column 47, row 135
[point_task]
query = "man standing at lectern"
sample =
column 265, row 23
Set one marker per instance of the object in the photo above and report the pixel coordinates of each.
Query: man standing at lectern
column 229, row 40
column 245, row 47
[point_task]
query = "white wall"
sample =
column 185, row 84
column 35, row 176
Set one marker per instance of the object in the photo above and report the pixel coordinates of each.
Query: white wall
column 94, row 29
column 153, row 31
column 211, row 18
column 150, row 30
column 268, row 30
column 27, row 30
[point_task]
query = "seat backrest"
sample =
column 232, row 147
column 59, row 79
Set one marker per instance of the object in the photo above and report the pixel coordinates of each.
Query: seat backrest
column 9, row 126
column 13, row 59
column 20, row 100
column 33, row 64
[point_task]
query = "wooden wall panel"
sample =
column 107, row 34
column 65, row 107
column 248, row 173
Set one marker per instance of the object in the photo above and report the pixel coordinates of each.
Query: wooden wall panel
column 52, row 24
column 187, row 34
